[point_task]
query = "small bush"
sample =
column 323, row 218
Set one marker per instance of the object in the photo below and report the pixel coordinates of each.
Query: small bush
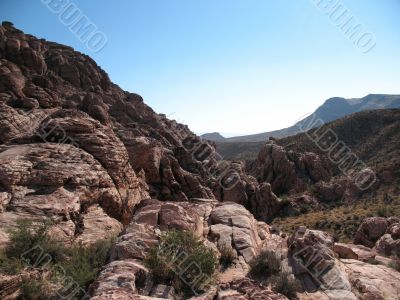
column 284, row 284
column 373, row 261
column 177, row 251
column 384, row 211
column 395, row 264
column 83, row 263
column 264, row 265
column 33, row 290
column 28, row 236
column 9, row 266
column 31, row 246
column 227, row 256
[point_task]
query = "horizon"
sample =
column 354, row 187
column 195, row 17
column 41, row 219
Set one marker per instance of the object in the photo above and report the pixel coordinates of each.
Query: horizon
column 220, row 75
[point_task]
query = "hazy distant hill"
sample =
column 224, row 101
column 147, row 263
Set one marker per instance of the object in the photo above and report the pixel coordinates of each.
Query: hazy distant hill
column 332, row 109
column 214, row 136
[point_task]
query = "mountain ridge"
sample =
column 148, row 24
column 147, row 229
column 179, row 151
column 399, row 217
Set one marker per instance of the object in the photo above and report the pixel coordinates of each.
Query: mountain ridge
column 332, row 109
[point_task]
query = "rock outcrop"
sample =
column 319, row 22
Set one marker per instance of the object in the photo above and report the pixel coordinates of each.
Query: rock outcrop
column 289, row 171
column 381, row 233
column 71, row 139
column 218, row 224
column 313, row 261
column 247, row 191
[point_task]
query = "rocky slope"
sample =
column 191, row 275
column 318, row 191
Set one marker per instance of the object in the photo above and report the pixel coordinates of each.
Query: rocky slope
column 98, row 162
column 70, row 136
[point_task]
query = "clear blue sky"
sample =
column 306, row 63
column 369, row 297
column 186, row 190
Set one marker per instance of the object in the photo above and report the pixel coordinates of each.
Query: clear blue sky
column 233, row 66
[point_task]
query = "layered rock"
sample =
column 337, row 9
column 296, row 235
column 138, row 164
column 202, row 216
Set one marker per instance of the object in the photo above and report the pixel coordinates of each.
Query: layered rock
column 381, row 233
column 245, row 190
column 372, row 281
column 218, row 224
column 313, row 261
column 60, row 182
column 65, row 97
column 289, row 171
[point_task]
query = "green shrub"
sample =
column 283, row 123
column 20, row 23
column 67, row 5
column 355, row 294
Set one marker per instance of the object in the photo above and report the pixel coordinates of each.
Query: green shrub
column 31, row 246
column 84, row 263
column 384, row 211
column 177, row 251
column 373, row 261
column 264, row 265
column 33, row 289
column 28, row 241
column 227, row 256
column 29, row 238
column 395, row 264
column 284, row 284
column 9, row 266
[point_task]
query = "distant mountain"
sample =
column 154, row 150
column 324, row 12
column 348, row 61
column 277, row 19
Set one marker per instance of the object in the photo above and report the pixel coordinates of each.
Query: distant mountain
column 332, row 109
column 214, row 136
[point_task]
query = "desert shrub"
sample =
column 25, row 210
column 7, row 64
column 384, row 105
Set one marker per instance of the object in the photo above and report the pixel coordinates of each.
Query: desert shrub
column 33, row 289
column 373, row 261
column 30, row 238
column 30, row 245
column 384, row 211
column 284, row 284
column 28, row 242
column 264, row 265
column 9, row 266
column 227, row 256
column 178, row 250
column 83, row 263
column 395, row 264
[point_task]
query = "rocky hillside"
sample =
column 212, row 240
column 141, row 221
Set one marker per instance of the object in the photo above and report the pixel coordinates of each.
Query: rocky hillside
column 94, row 163
column 374, row 136
column 70, row 136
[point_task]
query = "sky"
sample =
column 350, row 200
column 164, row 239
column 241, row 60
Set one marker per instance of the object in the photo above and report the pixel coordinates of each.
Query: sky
column 232, row 66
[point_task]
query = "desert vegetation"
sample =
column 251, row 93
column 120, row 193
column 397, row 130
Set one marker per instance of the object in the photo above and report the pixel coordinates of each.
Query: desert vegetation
column 176, row 256
column 342, row 220
column 266, row 267
column 49, row 264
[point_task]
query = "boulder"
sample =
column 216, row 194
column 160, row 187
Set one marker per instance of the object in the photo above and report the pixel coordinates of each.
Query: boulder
column 370, row 230
column 312, row 259
column 350, row 251
column 372, row 281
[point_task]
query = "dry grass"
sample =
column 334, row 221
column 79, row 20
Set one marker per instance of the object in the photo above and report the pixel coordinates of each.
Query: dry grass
column 341, row 221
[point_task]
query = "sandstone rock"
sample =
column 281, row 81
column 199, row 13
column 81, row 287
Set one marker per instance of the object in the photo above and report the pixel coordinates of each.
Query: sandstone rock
column 57, row 182
column 163, row 291
column 121, row 280
column 9, row 284
column 312, row 258
column 247, row 289
column 350, row 251
column 370, row 230
column 134, row 242
column 259, row 198
column 233, row 226
column 372, row 281
column 97, row 225
column 169, row 215
column 388, row 246
column 283, row 169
